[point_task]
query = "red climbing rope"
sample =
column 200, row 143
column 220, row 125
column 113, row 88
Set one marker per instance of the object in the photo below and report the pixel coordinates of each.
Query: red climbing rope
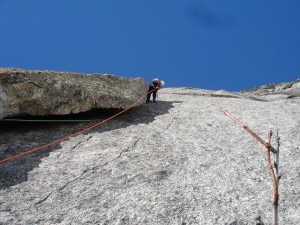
column 74, row 134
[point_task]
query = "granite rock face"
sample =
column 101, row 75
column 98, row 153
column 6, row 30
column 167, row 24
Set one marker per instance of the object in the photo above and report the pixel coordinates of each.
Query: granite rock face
column 180, row 161
column 290, row 89
column 27, row 92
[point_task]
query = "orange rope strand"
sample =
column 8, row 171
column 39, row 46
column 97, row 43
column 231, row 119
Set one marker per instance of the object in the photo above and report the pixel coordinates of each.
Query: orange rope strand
column 74, row 134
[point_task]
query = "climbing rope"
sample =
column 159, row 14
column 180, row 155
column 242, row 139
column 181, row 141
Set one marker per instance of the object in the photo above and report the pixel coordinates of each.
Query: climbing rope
column 74, row 134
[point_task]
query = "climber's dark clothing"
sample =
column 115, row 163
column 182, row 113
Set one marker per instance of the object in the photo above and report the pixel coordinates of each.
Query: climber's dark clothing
column 153, row 88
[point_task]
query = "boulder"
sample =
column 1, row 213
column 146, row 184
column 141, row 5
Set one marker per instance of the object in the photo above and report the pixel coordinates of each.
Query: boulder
column 43, row 92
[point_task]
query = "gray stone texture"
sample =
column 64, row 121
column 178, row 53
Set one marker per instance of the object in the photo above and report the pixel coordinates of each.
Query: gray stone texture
column 180, row 161
column 33, row 92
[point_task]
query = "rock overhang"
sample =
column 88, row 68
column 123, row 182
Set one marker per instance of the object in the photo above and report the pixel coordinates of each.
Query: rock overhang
column 44, row 93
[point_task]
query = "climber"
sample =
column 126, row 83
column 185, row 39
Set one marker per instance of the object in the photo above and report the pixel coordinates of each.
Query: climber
column 154, row 86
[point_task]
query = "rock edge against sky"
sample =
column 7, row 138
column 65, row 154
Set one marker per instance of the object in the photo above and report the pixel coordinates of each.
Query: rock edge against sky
column 179, row 161
column 42, row 92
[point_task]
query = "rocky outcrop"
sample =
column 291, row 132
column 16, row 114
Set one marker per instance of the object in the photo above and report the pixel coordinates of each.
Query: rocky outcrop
column 29, row 92
column 180, row 161
column 286, row 88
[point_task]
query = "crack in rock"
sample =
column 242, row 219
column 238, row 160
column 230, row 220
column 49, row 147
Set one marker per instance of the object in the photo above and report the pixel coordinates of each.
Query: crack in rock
column 172, row 121
column 130, row 147
column 44, row 199
column 34, row 84
column 75, row 179
column 75, row 146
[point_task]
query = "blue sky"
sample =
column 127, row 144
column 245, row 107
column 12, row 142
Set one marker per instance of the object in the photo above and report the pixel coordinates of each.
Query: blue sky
column 210, row 44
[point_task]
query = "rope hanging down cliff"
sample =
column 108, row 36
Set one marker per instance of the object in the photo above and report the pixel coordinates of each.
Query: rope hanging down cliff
column 74, row 134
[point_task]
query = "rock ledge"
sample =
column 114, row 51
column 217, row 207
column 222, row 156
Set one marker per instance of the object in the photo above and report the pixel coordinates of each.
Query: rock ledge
column 43, row 92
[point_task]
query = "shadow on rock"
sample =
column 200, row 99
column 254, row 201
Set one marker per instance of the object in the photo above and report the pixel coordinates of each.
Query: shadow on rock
column 17, row 137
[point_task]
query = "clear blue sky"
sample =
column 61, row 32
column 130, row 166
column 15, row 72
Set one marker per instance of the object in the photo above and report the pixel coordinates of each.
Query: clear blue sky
column 210, row 44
